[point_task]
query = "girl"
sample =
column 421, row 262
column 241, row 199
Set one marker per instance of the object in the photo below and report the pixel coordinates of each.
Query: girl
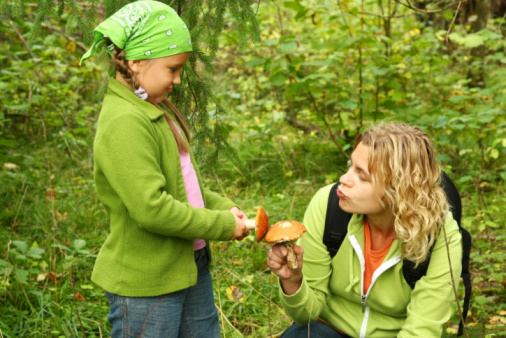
column 392, row 189
column 154, row 263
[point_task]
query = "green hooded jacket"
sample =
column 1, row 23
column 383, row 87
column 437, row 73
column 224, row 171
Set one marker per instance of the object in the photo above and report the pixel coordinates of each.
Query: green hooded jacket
column 149, row 250
column 332, row 288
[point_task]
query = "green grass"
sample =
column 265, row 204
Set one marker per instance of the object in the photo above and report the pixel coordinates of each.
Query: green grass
column 52, row 226
column 52, row 222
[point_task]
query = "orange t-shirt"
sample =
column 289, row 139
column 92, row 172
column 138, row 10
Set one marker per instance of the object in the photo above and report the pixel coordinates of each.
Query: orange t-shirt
column 373, row 259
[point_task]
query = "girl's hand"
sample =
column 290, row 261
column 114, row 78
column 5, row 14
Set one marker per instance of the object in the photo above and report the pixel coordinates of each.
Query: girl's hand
column 237, row 212
column 290, row 279
column 241, row 230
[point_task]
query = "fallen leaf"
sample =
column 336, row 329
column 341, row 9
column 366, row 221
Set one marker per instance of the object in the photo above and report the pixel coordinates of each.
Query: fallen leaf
column 41, row 276
column 492, row 299
column 237, row 261
column 54, row 277
column 71, row 47
column 61, row 217
column 234, row 293
column 79, row 296
column 452, row 330
column 50, row 194
column 494, row 320
column 502, row 312
column 9, row 166
column 220, row 245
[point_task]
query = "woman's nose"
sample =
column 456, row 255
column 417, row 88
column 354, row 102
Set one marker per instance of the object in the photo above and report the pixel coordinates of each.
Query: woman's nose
column 345, row 179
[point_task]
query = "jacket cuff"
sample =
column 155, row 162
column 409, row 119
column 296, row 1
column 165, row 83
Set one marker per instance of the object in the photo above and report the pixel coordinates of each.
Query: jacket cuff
column 296, row 301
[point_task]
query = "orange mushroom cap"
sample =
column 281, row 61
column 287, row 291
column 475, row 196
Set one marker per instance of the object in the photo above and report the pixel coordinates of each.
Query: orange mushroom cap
column 262, row 222
column 285, row 231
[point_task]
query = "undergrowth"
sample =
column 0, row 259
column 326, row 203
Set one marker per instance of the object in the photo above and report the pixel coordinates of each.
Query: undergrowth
column 52, row 224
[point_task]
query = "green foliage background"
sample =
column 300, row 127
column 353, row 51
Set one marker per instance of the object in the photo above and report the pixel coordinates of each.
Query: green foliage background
column 279, row 105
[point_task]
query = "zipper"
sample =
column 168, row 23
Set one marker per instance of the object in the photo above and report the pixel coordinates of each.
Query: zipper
column 363, row 329
column 383, row 267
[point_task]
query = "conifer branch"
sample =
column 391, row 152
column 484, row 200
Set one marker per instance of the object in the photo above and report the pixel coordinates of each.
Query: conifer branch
column 23, row 41
column 68, row 37
column 2, row 5
column 207, row 21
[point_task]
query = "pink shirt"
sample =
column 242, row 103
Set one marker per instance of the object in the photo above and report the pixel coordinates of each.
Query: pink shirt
column 193, row 191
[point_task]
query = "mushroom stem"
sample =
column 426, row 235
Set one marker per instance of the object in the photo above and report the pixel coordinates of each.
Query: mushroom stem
column 250, row 224
column 291, row 259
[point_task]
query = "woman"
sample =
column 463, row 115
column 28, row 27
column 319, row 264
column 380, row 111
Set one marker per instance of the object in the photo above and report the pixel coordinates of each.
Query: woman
column 392, row 189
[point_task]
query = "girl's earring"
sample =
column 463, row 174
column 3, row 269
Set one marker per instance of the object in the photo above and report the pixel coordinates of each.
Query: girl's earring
column 141, row 93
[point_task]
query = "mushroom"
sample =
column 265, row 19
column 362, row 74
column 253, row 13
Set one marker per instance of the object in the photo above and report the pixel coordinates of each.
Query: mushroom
column 260, row 223
column 286, row 232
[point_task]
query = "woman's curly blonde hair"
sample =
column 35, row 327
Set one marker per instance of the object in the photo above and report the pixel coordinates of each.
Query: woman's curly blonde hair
column 402, row 160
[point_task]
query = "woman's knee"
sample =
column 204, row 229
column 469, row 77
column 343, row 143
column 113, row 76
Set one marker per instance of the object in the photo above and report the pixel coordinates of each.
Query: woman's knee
column 312, row 329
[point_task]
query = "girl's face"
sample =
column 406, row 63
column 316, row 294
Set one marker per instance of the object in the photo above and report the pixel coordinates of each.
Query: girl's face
column 158, row 76
column 356, row 192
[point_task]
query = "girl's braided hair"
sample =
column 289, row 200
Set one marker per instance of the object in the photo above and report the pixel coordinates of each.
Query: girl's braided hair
column 120, row 64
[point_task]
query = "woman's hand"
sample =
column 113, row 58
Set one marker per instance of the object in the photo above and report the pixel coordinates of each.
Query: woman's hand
column 241, row 230
column 290, row 279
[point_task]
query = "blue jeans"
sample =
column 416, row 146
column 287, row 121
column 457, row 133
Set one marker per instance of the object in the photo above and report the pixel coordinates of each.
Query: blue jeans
column 186, row 313
column 314, row 329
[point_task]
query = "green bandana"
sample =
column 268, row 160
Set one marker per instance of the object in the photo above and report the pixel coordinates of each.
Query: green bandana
column 145, row 30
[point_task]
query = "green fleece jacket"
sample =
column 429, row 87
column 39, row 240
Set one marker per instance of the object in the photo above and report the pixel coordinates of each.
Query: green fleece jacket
column 332, row 288
column 149, row 250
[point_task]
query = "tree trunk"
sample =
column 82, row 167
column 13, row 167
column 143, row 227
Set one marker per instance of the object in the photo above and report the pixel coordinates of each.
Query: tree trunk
column 480, row 9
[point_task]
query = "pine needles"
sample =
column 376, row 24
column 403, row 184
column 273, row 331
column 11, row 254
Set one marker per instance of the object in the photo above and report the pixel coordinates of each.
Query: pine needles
column 208, row 21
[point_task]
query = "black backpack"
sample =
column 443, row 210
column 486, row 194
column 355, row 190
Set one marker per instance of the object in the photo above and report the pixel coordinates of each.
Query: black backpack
column 336, row 228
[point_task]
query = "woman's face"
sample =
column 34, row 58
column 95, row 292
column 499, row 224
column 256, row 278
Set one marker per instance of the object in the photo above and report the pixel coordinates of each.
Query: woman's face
column 158, row 76
column 356, row 192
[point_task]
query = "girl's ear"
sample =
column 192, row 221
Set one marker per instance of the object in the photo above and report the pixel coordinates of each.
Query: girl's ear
column 134, row 66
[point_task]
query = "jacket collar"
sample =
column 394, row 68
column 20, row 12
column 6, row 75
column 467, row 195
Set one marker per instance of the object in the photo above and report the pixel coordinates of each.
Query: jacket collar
column 117, row 88
column 356, row 228
column 356, row 224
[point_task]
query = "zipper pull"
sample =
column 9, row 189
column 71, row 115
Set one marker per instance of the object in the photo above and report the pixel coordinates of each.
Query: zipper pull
column 363, row 304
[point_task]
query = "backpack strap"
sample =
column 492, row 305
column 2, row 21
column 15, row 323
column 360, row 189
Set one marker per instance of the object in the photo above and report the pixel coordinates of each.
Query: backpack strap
column 336, row 223
column 454, row 201
column 466, row 276
column 412, row 275
column 453, row 197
